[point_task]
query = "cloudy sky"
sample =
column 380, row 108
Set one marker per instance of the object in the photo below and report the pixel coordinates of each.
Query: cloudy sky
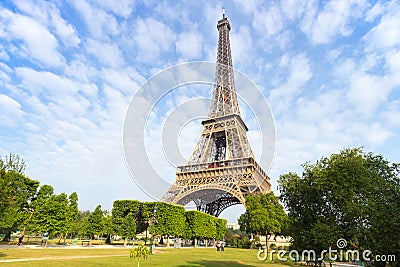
column 330, row 71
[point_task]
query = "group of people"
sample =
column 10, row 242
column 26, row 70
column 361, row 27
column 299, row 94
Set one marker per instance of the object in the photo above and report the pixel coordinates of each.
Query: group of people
column 220, row 246
column 45, row 237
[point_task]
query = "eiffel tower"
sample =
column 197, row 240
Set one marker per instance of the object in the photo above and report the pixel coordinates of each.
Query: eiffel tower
column 222, row 169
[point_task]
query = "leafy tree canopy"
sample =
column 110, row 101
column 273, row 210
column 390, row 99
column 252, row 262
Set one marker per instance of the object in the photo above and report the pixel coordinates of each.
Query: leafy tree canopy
column 352, row 195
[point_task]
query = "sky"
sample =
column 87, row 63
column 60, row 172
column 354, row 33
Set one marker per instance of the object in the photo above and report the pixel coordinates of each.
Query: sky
column 330, row 71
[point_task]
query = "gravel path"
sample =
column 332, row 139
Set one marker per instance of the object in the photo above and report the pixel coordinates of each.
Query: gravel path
column 61, row 258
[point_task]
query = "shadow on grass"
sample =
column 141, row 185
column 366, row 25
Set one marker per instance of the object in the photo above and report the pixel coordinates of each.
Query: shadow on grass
column 215, row 263
column 2, row 254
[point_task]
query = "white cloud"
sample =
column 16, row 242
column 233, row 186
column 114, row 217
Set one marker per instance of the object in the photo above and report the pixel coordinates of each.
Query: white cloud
column 3, row 54
column 334, row 19
column 376, row 134
column 320, row 107
column 242, row 46
column 10, row 111
column 100, row 23
column 152, row 38
column 295, row 9
column 48, row 14
column 45, row 83
column 392, row 114
column 299, row 73
column 38, row 42
column 61, row 95
column 79, row 70
column 108, row 54
column 121, row 80
column 392, row 59
column 250, row 6
column 189, row 44
column 387, row 33
column 366, row 93
column 374, row 12
column 121, row 8
column 268, row 22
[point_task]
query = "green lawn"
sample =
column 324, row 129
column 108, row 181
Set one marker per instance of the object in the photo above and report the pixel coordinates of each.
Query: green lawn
column 167, row 257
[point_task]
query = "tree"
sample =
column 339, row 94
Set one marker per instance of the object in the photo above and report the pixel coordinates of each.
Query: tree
column 129, row 227
column 82, row 223
column 264, row 215
column 121, row 208
column 158, row 217
column 220, row 228
column 128, row 215
column 56, row 214
column 169, row 220
column 352, row 195
column 50, row 212
column 96, row 222
column 139, row 252
column 202, row 225
column 16, row 193
column 108, row 226
column 72, row 214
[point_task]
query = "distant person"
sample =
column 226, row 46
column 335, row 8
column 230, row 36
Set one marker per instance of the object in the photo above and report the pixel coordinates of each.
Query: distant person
column 218, row 246
column 45, row 237
column 222, row 246
column 20, row 240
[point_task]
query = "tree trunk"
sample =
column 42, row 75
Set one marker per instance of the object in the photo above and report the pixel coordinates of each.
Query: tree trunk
column 195, row 242
column 7, row 237
column 125, row 240
column 168, row 241
column 59, row 239
column 206, row 242
column 266, row 243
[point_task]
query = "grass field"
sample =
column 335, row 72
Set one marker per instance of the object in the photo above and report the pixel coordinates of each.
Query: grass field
column 119, row 257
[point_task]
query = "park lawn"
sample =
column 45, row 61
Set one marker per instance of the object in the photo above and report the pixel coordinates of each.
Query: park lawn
column 167, row 257
column 21, row 253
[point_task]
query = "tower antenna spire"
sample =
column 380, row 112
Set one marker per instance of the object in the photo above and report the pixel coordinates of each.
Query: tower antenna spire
column 223, row 12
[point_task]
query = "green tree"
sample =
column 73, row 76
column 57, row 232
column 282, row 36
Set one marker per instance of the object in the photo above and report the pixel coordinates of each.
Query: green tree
column 50, row 212
column 202, row 225
column 95, row 223
column 108, row 226
column 82, row 224
column 352, row 195
column 140, row 210
column 53, row 213
column 220, row 228
column 169, row 220
column 72, row 215
column 138, row 253
column 264, row 215
column 129, row 227
column 16, row 193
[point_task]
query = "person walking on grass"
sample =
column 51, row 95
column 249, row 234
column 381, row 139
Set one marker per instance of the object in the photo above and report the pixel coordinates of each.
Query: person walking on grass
column 20, row 240
column 218, row 246
column 45, row 237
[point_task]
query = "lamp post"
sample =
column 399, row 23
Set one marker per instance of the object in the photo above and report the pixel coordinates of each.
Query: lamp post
column 151, row 222
column 30, row 210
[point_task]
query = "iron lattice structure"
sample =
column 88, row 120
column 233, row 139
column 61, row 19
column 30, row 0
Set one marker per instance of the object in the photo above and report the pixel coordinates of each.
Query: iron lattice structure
column 222, row 169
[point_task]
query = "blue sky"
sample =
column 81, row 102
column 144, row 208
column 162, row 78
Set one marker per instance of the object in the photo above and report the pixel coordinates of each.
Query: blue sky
column 330, row 71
